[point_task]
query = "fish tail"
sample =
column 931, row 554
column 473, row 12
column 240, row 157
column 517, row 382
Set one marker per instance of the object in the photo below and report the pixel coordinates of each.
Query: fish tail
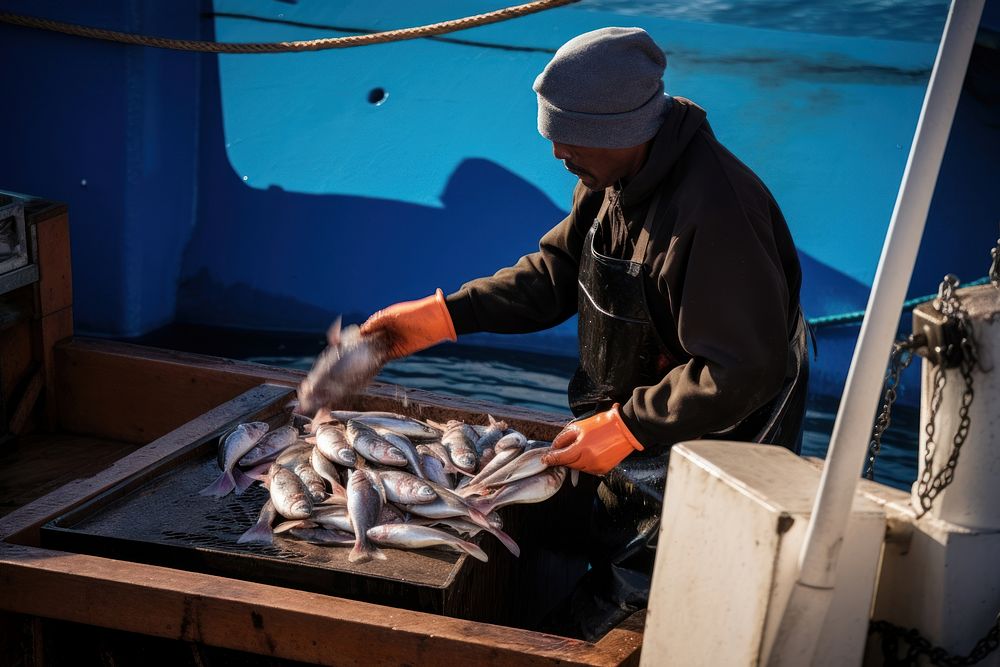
column 221, row 486
column 259, row 533
column 362, row 552
column 472, row 549
column 259, row 471
column 470, row 490
column 243, row 481
column 478, row 516
column 481, row 506
column 505, row 540
column 286, row 526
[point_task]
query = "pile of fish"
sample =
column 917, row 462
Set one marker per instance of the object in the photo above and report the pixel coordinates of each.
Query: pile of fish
column 371, row 479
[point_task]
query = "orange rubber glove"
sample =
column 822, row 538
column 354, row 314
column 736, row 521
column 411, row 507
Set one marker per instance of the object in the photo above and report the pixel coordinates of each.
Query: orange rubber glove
column 412, row 326
column 595, row 444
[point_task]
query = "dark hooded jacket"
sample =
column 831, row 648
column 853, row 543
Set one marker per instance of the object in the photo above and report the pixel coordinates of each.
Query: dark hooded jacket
column 722, row 285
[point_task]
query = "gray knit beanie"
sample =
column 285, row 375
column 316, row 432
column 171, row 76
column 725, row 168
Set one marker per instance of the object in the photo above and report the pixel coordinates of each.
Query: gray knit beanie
column 603, row 89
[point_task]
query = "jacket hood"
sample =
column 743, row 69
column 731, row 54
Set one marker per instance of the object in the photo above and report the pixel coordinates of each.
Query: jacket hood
column 682, row 121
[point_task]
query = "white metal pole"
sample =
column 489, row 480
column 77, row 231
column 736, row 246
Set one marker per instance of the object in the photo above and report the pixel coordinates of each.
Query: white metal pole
column 806, row 610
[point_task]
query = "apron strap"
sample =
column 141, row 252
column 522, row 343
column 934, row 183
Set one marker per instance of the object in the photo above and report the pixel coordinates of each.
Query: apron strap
column 604, row 208
column 642, row 242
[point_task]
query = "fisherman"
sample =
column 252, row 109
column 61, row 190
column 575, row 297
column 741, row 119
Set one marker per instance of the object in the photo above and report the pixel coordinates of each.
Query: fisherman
column 685, row 279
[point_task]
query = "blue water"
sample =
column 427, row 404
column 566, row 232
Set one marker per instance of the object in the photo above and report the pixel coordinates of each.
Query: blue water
column 908, row 20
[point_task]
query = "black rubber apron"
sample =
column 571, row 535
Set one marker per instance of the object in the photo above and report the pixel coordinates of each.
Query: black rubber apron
column 620, row 349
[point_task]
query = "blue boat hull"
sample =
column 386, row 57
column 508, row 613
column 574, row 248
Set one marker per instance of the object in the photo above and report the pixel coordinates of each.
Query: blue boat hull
column 277, row 192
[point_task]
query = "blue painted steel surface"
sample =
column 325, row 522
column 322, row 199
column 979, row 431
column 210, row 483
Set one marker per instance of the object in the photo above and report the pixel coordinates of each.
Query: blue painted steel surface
column 111, row 130
column 269, row 192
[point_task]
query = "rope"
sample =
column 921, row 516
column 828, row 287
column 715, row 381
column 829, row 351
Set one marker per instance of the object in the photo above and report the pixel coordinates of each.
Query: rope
column 285, row 47
column 858, row 315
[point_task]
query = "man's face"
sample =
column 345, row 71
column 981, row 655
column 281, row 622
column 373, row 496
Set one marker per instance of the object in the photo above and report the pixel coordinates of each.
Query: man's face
column 599, row 168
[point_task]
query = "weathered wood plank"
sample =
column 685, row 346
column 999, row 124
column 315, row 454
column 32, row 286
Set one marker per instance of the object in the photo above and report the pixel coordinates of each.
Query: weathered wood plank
column 37, row 463
column 22, row 524
column 50, row 330
column 26, row 401
column 625, row 640
column 55, row 272
column 15, row 359
column 118, row 391
column 38, row 209
column 135, row 395
column 264, row 619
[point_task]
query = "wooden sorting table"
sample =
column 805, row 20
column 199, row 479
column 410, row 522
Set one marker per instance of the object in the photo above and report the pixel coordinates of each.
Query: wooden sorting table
column 55, row 563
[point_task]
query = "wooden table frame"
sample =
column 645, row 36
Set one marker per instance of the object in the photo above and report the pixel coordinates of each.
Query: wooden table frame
column 133, row 394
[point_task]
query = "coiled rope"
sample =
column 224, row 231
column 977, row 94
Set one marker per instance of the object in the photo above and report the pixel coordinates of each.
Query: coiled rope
column 285, row 47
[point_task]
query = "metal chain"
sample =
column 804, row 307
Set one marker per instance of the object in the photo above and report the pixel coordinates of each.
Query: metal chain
column 899, row 360
column 284, row 47
column 930, row 484
column 995, row 265
column 918, row 645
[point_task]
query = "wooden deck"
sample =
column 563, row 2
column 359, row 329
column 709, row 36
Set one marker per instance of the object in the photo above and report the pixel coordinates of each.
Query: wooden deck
column 35, row 464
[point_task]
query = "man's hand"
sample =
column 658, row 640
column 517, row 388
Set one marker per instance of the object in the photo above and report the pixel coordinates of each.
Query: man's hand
column 595, row 444
column 412, row 326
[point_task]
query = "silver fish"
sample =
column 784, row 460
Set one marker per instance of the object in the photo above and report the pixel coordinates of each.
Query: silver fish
column 434, row 470
column 511, row 440
column 323, row 536
column 448, row 504
column 527, row 464
column 364, row 506
column 295, row 456
column 347, row 415
column 491, row 435
column 484, row 460
column 333, row 516
column 533, row 489
column 411, row 428
column 440, row 452
column 460, row 441
column 410, row 536
column 456, row 523
column 404, row 488
column 325, row 469
column 260, row 532
column 332, row 443
column 314, row 482
column 345, row 367
column 498, row 462
column 372, row 446
column 286, row 526
column 390, row 514
column 288, row 493
column 403, row 444
column 270, row 446
column 240, row 441
column 336, row 516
